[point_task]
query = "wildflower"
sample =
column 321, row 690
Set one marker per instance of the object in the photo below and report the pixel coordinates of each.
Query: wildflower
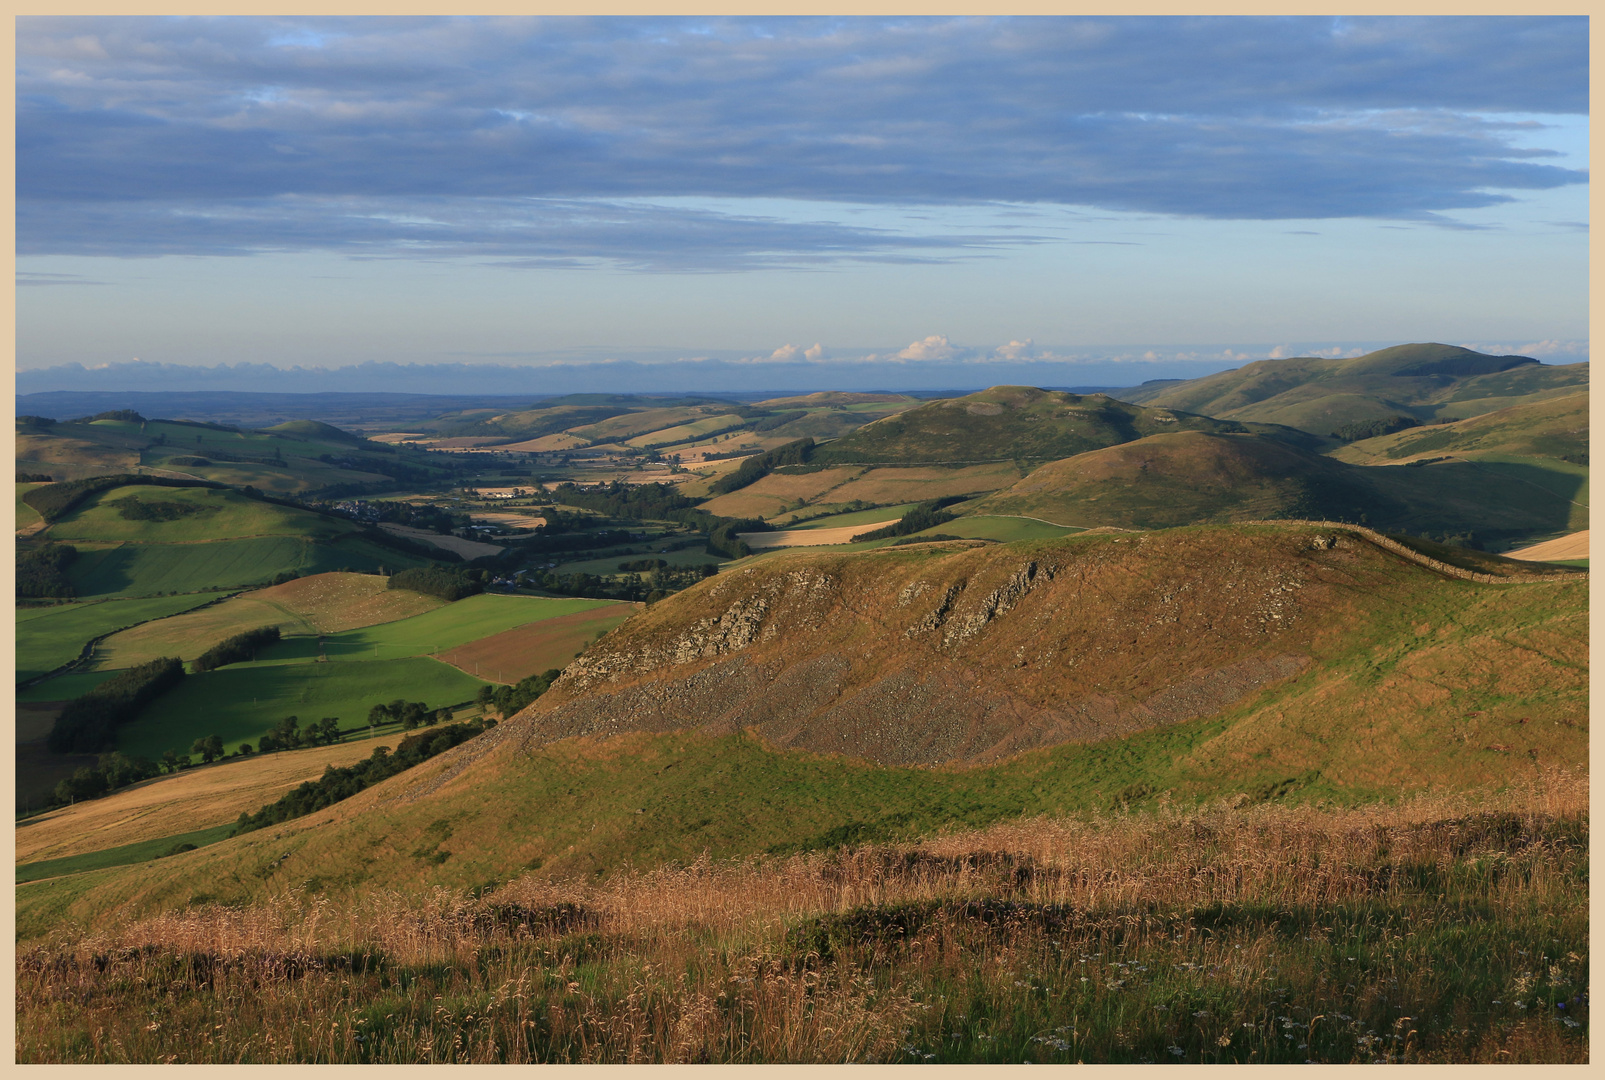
column 1225, row 1040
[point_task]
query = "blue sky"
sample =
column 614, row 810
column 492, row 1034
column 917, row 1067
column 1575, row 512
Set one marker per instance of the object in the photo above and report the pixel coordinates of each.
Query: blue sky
column 892, row 192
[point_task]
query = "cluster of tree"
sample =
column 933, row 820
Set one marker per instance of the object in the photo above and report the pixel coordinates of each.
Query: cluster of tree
column 589, row 586
column 420, row 516
column 113, row 772
column 232, row 650
column 761, row 465
column 926, row 515
column 88, row 724
column 126, row 415
column 540, row 544
column 28, row 420
column 722, row 538
column 641, row 566
column 637, row 502
column 411, row 714
column 55, row 501
column 288, row 735
column 338, row 784
column 507, row 700
column 671, row 579
column 34, row 478
column 1355, row 430
column 133, row 508
column 446, row 584
column 43, row 571
column 188, row 459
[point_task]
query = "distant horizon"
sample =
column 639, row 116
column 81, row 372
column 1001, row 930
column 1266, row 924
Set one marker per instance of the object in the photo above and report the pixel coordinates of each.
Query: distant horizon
column 712, row 376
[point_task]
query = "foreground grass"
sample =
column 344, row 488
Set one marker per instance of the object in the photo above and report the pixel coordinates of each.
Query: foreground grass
column 1430, row 932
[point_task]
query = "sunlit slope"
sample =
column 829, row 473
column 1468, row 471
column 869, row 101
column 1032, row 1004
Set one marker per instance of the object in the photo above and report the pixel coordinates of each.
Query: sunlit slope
column 1197, row 477
column 1556, row 429
column 1276, row 662
column 1319, row 395
column 1006, row 423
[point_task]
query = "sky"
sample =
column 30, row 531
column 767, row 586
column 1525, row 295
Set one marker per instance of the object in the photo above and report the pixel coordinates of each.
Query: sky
column 794, row 203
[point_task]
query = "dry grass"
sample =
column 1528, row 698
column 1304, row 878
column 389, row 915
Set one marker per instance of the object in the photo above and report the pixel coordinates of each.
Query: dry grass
column 180, row 803
column 898, row 485
column 1436, row 931
column 1571, row 546
column 529, row 650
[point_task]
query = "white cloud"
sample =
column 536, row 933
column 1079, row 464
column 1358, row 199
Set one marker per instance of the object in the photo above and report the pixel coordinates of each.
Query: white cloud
column 1015, row 350
column 934, row 347
column 786, row 353
column 1278, row 353
column 816, row 351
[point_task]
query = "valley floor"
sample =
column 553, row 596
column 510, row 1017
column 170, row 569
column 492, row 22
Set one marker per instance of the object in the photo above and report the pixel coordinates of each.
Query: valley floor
column 1446, row 929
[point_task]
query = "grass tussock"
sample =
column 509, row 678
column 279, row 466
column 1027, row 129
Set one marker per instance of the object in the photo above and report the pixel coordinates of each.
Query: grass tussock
column 1434, row 931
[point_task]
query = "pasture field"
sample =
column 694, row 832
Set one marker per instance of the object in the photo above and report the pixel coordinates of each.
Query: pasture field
column 212, row 514
column 698, row 429
column 297, row 474
column 997, row 527
column 123, row 855
column 27, row 516
column 202, row 797
column 147, row 569
column 255, row 697
column 536, row 647
column 857, row 517
column 49, row 637
column 770, row 494
column 629, row 425
column 63, row 687
column 444, row 628
column 322, row 603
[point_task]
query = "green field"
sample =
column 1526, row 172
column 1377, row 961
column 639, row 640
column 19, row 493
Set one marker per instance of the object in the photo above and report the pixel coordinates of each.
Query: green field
column 56, row 635
column 123, row 855
column 210, row 514
column 65, row 687
column 147, row 569
column 242, row 702
column 26, row 515
column 444, row 628
column 857, row 517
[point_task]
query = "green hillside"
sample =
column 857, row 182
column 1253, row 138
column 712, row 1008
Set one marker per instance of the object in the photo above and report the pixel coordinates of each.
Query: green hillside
column 1193, row 477
column 1556, row 428
column 1319, row 395
column 1415, row 683
column 1003, row 423
column 188, row 515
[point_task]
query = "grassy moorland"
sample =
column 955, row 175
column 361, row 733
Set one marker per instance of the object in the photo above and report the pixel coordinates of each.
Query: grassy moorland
column 1434, row 931
column 48, row 637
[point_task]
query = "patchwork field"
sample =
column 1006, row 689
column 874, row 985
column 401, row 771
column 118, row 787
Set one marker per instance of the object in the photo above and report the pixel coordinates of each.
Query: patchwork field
column 467, row 549
column 49, row 637
column 895, row 485
column 27, row 516
column 258, row 696
column 536, row 647
column 323, row 603
column 699, row 429
column 773, row 493
column 785, row 538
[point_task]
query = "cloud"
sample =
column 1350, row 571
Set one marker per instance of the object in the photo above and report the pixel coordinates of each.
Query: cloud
column 934, row 347
column 1014, row 350
column 1300, row 118
column 1570, row 351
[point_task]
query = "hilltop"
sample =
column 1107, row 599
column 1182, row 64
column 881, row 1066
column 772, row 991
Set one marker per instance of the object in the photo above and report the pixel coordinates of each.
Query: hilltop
column 1319, row 395
column 1007, row 423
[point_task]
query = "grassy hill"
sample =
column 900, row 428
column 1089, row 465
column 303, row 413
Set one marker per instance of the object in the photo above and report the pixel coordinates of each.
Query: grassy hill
column 1268, row 663
column 1555, row 428
column 1319, row 395
column 1190, row 477
column 1006, row 423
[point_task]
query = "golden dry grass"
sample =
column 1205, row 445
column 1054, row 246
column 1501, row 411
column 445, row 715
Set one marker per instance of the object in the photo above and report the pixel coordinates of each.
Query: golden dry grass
column 529, row 650
column 897, row 485
column 182, row 802
column 1260, row 934
column 1574, row 546
column 811, row 537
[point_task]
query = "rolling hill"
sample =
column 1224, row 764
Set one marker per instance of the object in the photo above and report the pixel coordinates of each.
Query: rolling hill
column 780, row 706
column 1554, row 428
column 1006, row 423
column 1318, row 395
column 1194, row 477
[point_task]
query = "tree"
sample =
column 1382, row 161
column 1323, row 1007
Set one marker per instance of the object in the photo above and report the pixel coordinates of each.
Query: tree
column 210, row 748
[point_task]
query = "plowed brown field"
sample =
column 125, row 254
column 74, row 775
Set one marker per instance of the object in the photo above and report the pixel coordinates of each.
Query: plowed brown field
column 529, row 650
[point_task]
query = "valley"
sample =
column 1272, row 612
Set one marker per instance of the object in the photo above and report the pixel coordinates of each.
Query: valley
column 883, row 716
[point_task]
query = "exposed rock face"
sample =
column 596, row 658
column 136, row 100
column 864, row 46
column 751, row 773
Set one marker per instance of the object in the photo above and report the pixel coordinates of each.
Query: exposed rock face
column 949, row 653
